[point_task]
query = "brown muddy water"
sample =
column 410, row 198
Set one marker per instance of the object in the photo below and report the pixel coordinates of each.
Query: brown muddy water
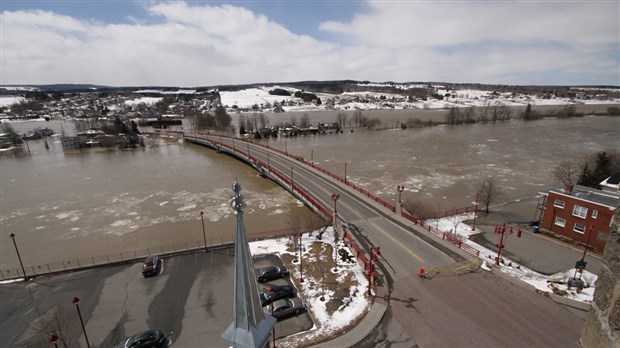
column 67, row 205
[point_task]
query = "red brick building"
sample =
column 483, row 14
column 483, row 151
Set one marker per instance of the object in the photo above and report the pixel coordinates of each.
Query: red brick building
column 571, row 213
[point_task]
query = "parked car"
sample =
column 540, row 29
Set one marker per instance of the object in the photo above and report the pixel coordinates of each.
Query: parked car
column 149, row 338
column 271, row 273
column 279, row 292
column 284, row 308
column 151, row 266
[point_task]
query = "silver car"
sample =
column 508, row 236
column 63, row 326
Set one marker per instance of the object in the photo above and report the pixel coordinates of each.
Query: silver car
column 284, row 308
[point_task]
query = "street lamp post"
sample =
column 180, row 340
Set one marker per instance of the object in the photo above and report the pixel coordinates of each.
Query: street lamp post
column 268, row 163
column 77, row 306
column 286, row 146
column 345, row 172
column 335, row 198
column 301, row 263
column 312, row 156
column 292, row 180
column 12, row 235
column 473, row 227
column 400, row 189
column 204, row 234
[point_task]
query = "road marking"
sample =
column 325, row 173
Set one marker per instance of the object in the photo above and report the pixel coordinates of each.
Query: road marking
column 354, row 211
column 397, row 242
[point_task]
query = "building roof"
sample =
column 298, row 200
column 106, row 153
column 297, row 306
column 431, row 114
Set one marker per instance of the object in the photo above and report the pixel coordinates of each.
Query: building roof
column 605, row 198
column 613, row 181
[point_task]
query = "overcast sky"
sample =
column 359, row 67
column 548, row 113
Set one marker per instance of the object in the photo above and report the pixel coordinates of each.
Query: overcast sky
column 204, row 43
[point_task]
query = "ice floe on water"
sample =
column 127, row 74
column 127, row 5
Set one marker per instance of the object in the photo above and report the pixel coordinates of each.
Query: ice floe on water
column 187, row 207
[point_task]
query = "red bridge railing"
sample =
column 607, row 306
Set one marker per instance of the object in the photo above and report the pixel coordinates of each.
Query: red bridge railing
column 326, row 212
column 443, row 235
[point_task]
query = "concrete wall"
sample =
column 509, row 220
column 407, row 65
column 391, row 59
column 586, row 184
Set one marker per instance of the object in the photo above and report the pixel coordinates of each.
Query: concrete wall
column 602, row 327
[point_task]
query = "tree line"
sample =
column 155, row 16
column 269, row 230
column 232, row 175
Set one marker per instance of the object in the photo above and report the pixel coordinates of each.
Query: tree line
column 588, row 171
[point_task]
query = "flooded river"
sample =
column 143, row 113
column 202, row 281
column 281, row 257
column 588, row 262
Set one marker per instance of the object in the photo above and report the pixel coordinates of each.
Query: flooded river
column 66, row 205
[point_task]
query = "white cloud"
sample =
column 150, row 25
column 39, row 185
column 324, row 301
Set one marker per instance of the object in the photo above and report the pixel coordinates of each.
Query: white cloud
column 193, row 44
column 437, row 23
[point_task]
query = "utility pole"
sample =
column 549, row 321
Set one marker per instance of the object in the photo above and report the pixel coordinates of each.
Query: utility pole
column 473, row 228
column 204, row 234
column 77, row 306
column 12, row 235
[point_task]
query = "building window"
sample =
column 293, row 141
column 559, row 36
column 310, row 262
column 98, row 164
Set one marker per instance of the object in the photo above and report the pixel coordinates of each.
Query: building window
column 560, row 222
column 580, row 211
column 558, row 203
column 594, row 214
column 579, row 228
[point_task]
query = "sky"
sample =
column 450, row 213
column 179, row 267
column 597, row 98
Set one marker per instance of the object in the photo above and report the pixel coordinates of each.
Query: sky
column 207, row 43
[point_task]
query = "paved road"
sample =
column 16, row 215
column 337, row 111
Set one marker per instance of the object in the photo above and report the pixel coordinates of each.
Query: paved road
column 473, row 310
column 405, row 251
column 191, row 301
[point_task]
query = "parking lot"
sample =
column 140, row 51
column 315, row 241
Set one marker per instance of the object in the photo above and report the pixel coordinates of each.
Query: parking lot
column 190, row 300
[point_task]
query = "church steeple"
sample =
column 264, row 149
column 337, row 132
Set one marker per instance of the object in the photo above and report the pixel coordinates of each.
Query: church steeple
column 250, row 326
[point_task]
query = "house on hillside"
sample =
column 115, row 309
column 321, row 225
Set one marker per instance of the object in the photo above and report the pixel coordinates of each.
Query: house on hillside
column 577, row 212
column 611, row 184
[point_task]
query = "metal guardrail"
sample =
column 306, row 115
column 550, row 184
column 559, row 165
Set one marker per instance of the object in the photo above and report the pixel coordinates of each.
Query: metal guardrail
column 128, row 256
column 103, row 260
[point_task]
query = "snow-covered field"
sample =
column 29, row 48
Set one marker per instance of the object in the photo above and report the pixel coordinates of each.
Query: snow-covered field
column 369, row 100
column 6, row 101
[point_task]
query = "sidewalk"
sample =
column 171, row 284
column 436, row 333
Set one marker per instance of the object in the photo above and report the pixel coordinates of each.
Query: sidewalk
column 365, row 326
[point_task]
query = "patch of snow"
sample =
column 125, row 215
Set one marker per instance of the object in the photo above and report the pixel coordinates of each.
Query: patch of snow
column 325, row 323
column 510, row 267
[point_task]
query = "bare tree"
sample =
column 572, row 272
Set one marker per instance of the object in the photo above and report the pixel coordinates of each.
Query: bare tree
column 241, row 121
column 314, row 222
column 456, row 220
column 357, row 117
column 84, row 124
column 489, row 192
column 418, row 209
column 57, row 321
column 296, row 225
column 263, row 120
column 341, row 118
column 499, row 112
column 222, row 118
column 567, row 172
column 304, row 121
column 200, row 120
